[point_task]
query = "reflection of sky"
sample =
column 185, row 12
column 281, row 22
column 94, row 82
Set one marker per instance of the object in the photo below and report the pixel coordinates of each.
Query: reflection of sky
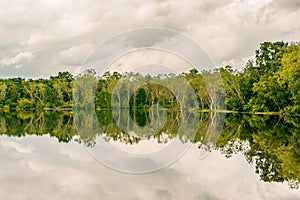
column 41, row 168
column 142, row 147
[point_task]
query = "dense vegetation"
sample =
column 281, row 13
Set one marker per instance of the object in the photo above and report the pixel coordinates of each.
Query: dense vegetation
column 21, row 94
column 269, row 83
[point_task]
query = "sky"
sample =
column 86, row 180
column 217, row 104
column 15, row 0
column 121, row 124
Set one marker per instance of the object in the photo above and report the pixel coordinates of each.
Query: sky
column 39, row 38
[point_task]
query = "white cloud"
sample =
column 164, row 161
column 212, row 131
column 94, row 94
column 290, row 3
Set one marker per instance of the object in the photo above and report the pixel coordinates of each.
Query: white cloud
column 39, row 38
column 239, row 62
column 149, row 57
column 18, row 66
column 20, row 57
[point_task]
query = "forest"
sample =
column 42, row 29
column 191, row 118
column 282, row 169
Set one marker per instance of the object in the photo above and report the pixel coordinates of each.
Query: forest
column 268, row 83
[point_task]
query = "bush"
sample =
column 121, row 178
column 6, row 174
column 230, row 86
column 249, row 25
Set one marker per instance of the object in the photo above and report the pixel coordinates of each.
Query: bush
column 25, row 104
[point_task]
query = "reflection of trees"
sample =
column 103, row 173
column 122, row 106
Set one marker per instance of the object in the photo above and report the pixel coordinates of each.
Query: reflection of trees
column 169, row 130
column 271, row 143
column 57, row 124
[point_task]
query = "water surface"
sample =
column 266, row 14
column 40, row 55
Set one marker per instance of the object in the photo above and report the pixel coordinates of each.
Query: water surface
column 255, row 157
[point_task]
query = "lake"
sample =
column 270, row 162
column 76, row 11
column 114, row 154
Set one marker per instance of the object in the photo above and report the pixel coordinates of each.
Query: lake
column 58, row 155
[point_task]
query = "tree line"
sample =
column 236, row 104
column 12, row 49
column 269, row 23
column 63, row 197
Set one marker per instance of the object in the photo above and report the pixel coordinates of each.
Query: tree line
column 268, row 83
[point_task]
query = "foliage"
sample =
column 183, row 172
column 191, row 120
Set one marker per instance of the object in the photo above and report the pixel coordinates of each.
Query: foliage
column 270, row 83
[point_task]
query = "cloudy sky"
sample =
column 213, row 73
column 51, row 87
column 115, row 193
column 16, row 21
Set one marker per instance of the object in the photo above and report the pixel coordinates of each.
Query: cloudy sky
column 38, row 38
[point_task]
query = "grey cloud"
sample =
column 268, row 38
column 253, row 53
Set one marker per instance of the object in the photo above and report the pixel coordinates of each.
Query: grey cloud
column 212, row 5
column 226, row 29
column 75, row 55
column 286, row 4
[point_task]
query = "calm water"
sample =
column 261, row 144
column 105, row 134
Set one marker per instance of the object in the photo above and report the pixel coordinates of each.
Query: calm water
column 252, row 157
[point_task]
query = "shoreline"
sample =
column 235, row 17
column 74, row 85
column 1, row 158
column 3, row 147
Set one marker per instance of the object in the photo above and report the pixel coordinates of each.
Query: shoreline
column 70, row 109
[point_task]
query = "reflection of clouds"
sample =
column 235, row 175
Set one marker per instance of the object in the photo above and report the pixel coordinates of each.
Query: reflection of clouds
column 73, row 155
column 65, row 177
column 37, row 167
column 16, row 146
